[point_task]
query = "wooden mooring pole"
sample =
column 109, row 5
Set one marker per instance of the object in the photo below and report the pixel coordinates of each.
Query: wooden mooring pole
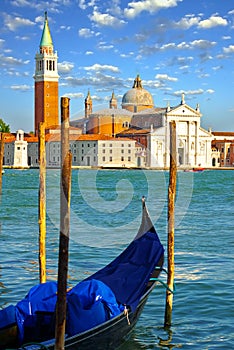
column 171, row 223
column 42, row 204
column 1, row 158
column 65, row 192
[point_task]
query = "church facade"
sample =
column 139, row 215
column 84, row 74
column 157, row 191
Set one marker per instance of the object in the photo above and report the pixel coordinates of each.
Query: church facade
column 193, row 143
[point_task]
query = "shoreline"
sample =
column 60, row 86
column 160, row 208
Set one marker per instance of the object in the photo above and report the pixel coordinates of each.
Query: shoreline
column 185, row 169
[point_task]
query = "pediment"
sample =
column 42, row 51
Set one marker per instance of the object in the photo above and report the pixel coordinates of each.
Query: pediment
column 184, row 110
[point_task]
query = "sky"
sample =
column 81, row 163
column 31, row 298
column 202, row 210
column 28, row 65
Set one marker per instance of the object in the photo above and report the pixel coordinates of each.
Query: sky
column 176, row 46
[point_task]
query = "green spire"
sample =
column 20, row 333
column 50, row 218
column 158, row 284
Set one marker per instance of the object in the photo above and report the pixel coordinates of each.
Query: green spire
column 46, row 39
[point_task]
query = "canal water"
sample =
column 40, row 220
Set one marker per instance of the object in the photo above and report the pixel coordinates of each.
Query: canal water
column 105, row 216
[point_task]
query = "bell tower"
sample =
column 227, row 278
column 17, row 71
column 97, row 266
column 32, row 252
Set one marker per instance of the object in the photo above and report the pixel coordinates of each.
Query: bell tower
column 46, row 82
column 113, row 101
column 88, row 105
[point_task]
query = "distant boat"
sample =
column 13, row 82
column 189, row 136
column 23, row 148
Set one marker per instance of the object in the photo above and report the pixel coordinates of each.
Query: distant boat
column 101, row 310
column 198, row 169
column 3, row 171
column 194, row 170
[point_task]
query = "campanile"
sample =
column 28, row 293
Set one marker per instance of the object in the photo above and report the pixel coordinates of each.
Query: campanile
column 46, row 82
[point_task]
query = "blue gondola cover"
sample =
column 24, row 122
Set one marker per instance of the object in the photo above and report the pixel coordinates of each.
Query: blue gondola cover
column 40, row 299
column 90, row 303
column 129, row 273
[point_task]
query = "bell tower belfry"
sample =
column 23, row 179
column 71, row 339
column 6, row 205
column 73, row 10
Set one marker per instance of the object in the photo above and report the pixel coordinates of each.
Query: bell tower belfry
column 46, row 82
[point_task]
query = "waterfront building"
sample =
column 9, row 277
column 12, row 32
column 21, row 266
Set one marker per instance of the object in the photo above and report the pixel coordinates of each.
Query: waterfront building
column 94, row 150
column 46, row 82
column 223, row 144
column 20, row 151
column 138, row 119
column 105, row 151
column 16, row 149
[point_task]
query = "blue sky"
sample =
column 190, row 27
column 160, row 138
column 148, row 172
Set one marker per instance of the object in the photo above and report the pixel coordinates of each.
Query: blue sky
column 175, row 45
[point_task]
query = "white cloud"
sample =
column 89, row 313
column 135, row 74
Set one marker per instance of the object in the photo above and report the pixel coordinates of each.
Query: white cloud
column 189, row 92
column 187, row 22
column 88, row 53
column 151, row 6
column 98, row 67
column 74, row 95
column 184, row 67
column 229, row 49
column 21, row 87
column 197, row 44
column 82, row 4
column 104, row 46
column 165, row 77
column 213, row 21
column 153, row 84
column 104, row 19
column 217, row 68
column 9, row 60
column 65, row 67
column 65, row 27
column 168, row 46
column 202, row 44
column 13, row 23
column 23, row 38
column 210, row 91
column 86, row 32
column 53, row 5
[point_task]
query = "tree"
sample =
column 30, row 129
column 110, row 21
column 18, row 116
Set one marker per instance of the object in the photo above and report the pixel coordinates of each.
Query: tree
column 4, row 127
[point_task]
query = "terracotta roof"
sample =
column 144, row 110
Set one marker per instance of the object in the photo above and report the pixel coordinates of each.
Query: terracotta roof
column 9, row 138
column 223, row 133
column 133, row 131
column 94, row 137
column 31, row 139
column 56, row 137
column 214, row 142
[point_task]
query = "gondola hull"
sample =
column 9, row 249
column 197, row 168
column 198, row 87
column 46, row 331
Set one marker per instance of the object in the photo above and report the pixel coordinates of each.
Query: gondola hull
column 101, row 310
column 107, row 336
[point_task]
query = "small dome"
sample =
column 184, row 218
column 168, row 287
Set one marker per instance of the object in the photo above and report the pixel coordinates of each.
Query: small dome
column 137, row 95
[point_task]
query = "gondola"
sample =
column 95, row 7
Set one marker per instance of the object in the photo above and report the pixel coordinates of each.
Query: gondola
column 102, row 310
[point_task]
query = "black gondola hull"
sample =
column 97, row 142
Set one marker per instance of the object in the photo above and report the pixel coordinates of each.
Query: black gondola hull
column 107, row 336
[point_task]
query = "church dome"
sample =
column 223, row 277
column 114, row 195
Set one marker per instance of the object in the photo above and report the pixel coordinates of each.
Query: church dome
column 137, row 97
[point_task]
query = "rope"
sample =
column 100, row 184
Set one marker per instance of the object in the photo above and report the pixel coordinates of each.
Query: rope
column 163, row 283
column 126, row 314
